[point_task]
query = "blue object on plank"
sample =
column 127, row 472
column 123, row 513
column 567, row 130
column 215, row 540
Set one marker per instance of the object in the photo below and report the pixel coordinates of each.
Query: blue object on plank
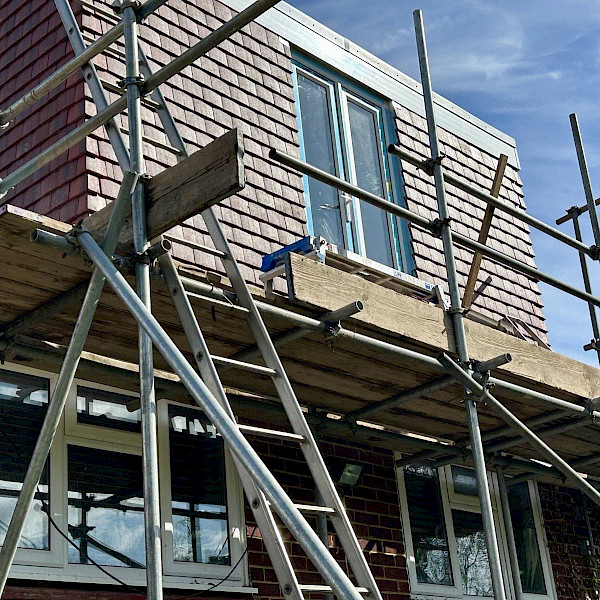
column 302, row 246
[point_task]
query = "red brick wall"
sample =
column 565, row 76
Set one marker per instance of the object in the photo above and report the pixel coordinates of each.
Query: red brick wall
column 372, row 506
column 575, row 576
column 33, row 44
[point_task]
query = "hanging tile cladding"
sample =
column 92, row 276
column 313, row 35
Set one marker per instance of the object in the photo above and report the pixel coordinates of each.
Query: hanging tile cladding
column 33, row 44
column 244, row 83
column 508, row 292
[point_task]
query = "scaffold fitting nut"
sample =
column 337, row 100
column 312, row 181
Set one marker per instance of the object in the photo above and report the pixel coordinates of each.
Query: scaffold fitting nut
column 455, row 310
column 437, row 225
column 127, row 81
column 119, row 6
column 430, row 163
column 593, row 345
column 594, row 252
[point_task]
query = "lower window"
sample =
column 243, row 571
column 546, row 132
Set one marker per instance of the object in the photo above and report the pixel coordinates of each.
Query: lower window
column 93, row 488
column 444, row 536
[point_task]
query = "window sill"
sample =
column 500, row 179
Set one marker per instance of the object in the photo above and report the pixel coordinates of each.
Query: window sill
column 133, row 577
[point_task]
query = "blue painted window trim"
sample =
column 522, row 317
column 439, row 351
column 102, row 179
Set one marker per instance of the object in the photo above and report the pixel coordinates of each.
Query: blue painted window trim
column 401, row 237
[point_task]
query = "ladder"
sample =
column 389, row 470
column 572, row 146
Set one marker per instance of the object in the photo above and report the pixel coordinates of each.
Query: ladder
column 254, row 476
column 333, row 507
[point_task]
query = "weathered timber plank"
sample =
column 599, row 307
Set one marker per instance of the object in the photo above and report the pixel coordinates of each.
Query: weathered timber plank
column 318, row 285
column 205, row 178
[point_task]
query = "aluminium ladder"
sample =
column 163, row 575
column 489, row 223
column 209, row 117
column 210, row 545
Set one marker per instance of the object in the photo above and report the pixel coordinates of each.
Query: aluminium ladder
column 333, row 507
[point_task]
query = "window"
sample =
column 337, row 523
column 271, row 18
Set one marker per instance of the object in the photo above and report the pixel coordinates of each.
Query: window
column 444, row 536
column 93, row 488
column 342, row 131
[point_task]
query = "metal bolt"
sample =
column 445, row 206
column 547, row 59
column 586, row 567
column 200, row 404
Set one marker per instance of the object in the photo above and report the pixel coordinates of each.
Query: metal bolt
column 287, row 589
column 255, row 503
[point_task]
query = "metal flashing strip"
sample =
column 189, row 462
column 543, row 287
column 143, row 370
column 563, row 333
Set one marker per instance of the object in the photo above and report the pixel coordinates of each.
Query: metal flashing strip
column 334, row 50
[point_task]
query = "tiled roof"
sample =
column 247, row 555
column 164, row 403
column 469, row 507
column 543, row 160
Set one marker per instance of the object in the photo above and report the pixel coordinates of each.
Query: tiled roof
column 33, row 44
column 502, row 290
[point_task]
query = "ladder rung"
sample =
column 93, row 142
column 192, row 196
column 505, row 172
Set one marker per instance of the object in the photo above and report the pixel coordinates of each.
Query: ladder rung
column 218, row 302
column 195, row 245
column 238, row 364
column 326, row 588
column 311, row 509
column 273, row 433
column 155, row 143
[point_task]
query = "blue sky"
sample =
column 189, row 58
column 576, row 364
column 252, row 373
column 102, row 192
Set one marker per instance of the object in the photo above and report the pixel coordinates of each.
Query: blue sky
column 523, row 67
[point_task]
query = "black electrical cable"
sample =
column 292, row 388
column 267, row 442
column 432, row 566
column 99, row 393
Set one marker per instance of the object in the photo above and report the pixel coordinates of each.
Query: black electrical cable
column 46, row 509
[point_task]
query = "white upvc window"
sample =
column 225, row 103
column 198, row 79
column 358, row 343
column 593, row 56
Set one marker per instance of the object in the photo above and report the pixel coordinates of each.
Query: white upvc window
column 94, row 489
column 445, row 543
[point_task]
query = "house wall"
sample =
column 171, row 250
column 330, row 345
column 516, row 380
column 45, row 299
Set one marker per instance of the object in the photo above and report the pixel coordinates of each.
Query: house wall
column 33, row 44
column 575, row 574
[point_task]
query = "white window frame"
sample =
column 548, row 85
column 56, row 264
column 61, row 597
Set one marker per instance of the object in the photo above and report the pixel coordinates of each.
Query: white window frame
column 235, row 514
column 52, row 557
column 339, row 94
column 53, row 565
column 451, row 499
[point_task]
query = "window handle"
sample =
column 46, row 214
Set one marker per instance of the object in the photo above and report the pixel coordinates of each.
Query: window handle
column 347, row 198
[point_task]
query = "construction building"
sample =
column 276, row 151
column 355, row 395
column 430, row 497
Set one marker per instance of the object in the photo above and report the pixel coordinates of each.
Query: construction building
column 397, row 285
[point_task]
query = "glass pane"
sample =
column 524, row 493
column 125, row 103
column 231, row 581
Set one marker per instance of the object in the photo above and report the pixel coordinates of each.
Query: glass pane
column 364, row 130
column 317, row 139
column 472, row 553
column 106, row 507
column 105, row 409
column 199, row 498
column 528, row 551
column 464, row 481
column 429, row 539
column 23, row 404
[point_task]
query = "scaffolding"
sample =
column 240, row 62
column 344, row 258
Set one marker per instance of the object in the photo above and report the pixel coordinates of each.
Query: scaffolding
column 264, row 493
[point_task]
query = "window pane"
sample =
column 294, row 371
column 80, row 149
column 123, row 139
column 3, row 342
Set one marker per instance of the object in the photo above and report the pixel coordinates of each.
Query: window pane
column 199, row 499
column 429, row 539
column 364, row 130
column 464, row 481
column 23, row 404
column 317, row 139
column 472, row 553
column 97, row 407
column 106, row 507
column 528, row 551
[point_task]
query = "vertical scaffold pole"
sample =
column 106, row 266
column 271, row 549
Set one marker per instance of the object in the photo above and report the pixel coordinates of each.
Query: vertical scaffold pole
column 456, row 314
column 594, row 344
column 132, row 82
column 585, row 178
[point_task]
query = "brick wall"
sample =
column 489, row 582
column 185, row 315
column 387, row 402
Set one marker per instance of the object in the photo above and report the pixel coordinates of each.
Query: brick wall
column 33, row 44
column 372, row 506
column 576, row 576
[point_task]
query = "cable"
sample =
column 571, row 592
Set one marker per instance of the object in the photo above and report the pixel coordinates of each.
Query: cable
column 131, row 588
column 213, row 586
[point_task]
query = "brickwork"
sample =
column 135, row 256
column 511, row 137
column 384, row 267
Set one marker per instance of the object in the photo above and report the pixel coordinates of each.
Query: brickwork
column 576, row 576
column 507, row 292
column 372, row 506
column 33, row 44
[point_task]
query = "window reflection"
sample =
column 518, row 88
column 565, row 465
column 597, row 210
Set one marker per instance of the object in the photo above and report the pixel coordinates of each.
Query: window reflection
column 317, row 138
column 472, row 553
column 364, row 130
column 430, row 543
column 23, row 403
column 199, row 505
column 528, row 551
column 464, row 481
column 107, row 409
column 106, row 507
